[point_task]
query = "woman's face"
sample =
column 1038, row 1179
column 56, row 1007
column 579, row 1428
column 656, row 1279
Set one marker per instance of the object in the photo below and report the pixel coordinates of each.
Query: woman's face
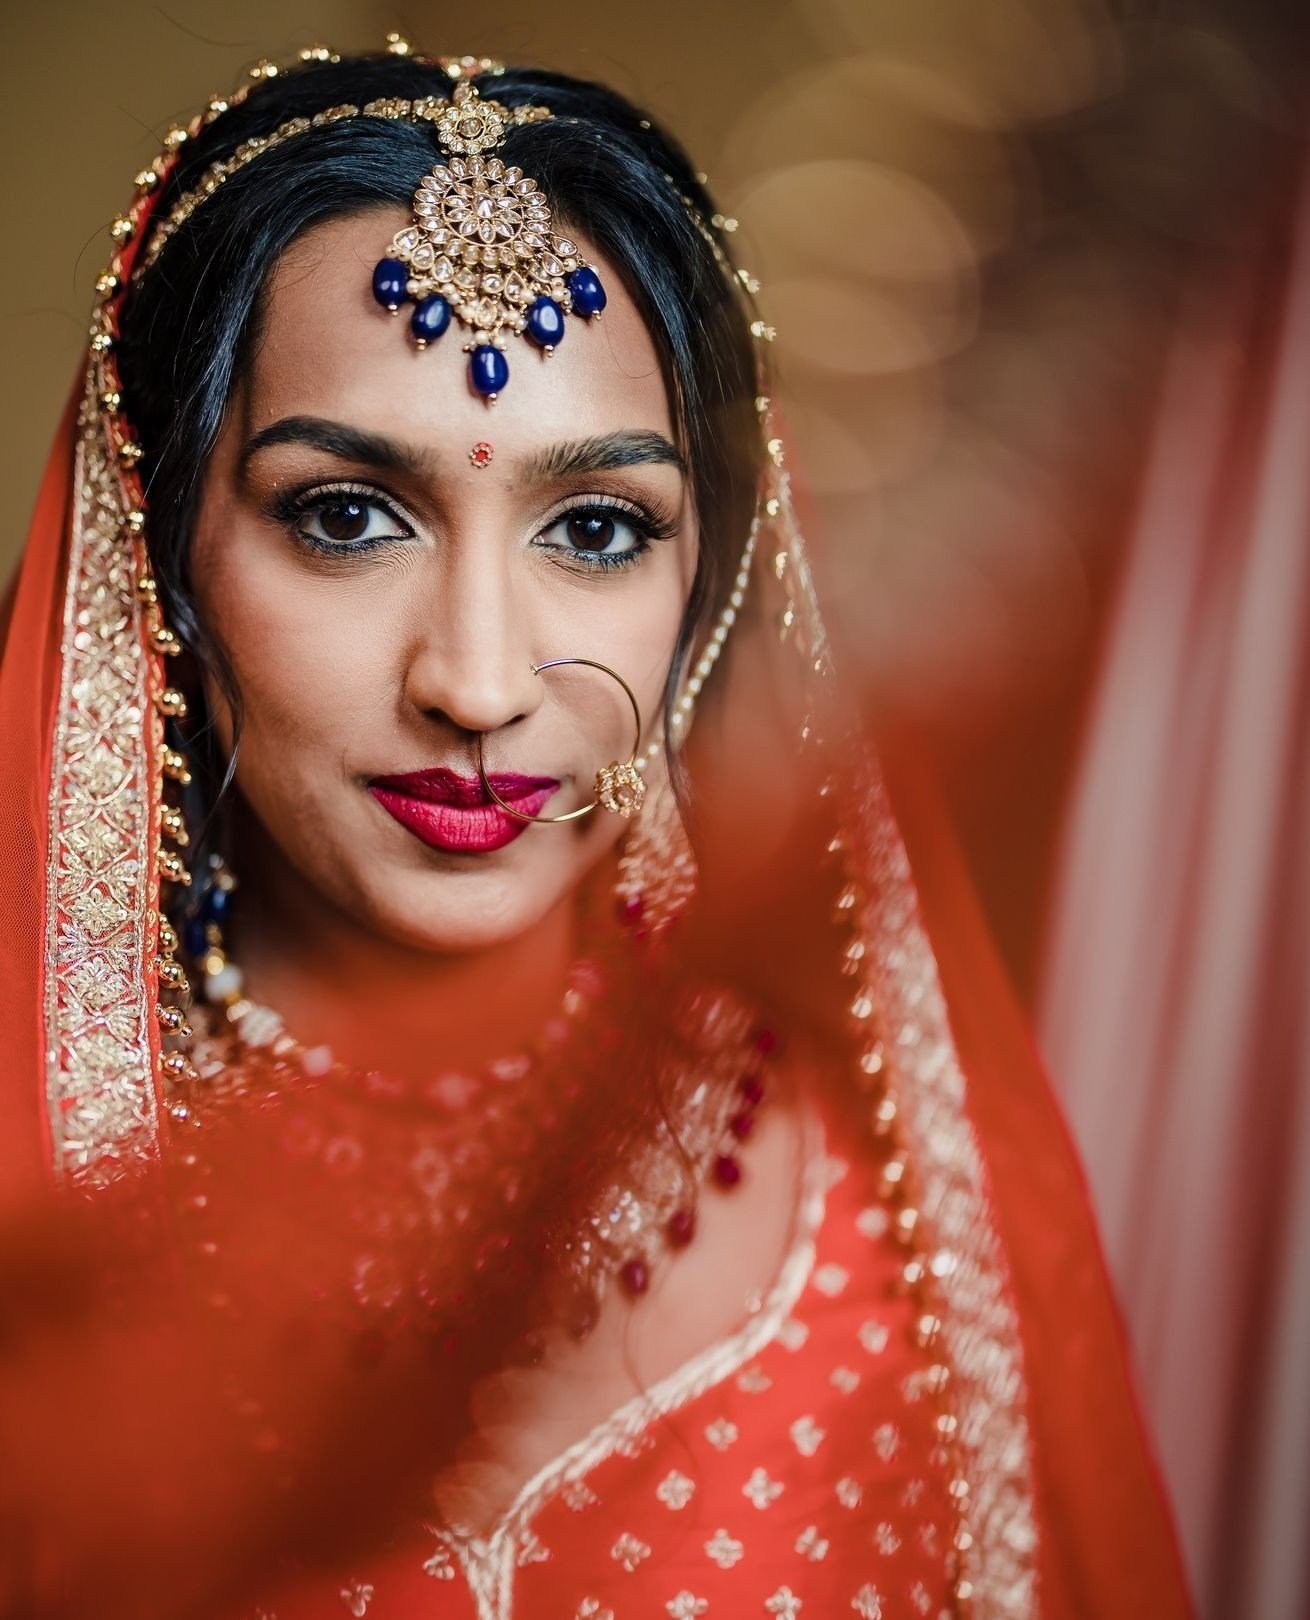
column 383, row 597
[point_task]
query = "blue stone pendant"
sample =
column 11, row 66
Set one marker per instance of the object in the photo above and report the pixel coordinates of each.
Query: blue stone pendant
column 430, row 319
column 545, row 323
column 390, row 279
column 488, row 370
column 586, row 291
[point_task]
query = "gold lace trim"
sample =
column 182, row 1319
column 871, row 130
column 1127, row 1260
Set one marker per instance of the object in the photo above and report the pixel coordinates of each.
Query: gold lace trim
column 101, row 887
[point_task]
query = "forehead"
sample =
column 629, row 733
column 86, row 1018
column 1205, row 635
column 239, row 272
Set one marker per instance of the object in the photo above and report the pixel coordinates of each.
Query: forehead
column 328, row 349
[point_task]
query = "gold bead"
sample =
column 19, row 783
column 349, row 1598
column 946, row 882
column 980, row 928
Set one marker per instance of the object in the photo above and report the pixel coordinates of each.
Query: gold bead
column 130, row 452
column 862, row 1008
column 893, row 1172
column 168, row 940
column 947, row 1425
column 963, row 1540
column 146, row 181
column 101, row 343
column 907, row 1224
column 173, row 1019
column 174, row 764
column 938, row 1377
column 173, row 825
column 175, row 1066
column 107, row 284
column 216, row 104
column 958, row 1489
column 164, row 641
column 135, row 521
column 111, row 400
column 171, row 702
column 146, row 589
column 398, row 45
column 884, row 1116
column 171, row 975
column 927, row 1330
column 264, row 69
column 176, row 136
column 171, row 866
column 123, row 229
column 912, row 1273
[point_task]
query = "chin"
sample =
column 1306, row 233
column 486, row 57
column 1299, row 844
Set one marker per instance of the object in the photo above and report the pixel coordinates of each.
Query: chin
column 463, row 913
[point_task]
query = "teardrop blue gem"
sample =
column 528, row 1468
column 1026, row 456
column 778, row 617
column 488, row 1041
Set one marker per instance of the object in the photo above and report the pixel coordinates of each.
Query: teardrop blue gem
column 546, row 323
column 430, row 319
column 488, row 369
column 389, row 280
column 586, row 291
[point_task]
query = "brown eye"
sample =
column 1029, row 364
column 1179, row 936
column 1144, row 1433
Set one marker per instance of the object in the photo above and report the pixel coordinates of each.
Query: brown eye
column 348, row 520
column 590, row 531
column 344, row 519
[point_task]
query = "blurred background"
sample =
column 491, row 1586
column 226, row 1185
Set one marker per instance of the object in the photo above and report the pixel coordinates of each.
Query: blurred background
column 1040, row 271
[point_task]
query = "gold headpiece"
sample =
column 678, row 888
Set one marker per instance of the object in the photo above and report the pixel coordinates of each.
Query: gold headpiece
column 482, row 246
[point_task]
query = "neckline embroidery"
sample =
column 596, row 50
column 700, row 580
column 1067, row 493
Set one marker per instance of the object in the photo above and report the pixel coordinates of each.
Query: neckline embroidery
column 488, row 1561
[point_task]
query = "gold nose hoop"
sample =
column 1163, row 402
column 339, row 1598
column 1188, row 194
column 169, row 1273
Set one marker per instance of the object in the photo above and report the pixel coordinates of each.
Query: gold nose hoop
column 620, row 787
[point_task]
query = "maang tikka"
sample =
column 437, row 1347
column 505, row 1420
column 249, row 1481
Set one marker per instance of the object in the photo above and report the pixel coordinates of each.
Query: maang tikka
column 482, row 247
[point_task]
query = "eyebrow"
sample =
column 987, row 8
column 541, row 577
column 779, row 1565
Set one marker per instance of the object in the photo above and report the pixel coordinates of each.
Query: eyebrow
column 605, row 452
column 337, row 439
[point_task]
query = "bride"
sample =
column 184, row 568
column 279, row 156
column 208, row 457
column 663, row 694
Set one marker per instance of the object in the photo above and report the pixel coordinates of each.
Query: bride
column 586, row 1138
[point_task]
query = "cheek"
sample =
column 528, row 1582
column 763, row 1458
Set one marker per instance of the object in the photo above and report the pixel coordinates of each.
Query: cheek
column 301, row 666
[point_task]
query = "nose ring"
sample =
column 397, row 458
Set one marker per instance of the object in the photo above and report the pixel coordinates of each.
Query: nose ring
column 620, row 787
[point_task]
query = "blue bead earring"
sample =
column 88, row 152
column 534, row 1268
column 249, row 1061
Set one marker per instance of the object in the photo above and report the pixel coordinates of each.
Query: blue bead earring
column 482, row 247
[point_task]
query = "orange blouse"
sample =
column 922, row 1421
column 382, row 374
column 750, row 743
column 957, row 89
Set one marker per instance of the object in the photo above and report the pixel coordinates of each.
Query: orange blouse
column 790, row 1470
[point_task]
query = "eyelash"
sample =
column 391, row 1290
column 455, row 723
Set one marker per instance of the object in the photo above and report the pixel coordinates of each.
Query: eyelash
column 290, row 507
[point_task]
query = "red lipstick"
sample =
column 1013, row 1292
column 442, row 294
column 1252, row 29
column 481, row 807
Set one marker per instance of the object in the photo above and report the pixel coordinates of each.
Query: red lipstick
column 453, row 812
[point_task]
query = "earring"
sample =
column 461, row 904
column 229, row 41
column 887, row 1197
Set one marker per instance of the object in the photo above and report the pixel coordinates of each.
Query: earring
column 657, row 867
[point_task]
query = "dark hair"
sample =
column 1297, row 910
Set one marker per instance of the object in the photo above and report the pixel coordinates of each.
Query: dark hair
column 610, row 172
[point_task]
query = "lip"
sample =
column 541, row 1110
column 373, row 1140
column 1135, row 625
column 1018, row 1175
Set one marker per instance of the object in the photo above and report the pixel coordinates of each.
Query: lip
column 451, row 812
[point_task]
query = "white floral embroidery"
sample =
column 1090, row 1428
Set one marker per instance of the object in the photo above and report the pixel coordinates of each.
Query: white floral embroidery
column 867, row 1604
column 579, row 1495
column 439, row 1566
column 685, row 1606
column 886, row 1540
column 914, row 1489
column 784, row 1603
column 831, row 1279
column 792, row 1334
column 761, row 1490
column 629, row 1552
column 810, row 1544
column 845, row 1380
column 357, row 1597
column 590, row 1609
column 806, row 1436
column 850, row 1493
column 723, row 1550
column 721, row 1433
column 872, row 1222
column 675, row 1490
column 919, row 1597
column 886, row 1441
column 873, row 1337
column 753, row 1380
column 532, row 1552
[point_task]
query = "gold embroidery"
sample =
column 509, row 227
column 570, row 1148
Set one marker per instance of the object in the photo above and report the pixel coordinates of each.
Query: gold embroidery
column 99, row 1077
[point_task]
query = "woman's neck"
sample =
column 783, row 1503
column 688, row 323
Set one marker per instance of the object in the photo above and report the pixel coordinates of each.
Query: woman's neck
column 382, row 1004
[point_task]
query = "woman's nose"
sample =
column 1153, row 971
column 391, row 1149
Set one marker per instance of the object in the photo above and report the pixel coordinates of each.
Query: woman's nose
column 471, row 658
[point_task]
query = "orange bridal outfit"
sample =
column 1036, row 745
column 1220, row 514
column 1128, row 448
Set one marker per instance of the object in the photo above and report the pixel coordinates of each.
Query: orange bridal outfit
column 794, row 1469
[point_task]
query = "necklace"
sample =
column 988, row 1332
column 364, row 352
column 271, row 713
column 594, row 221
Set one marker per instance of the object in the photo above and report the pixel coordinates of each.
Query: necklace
column 640, row 1094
